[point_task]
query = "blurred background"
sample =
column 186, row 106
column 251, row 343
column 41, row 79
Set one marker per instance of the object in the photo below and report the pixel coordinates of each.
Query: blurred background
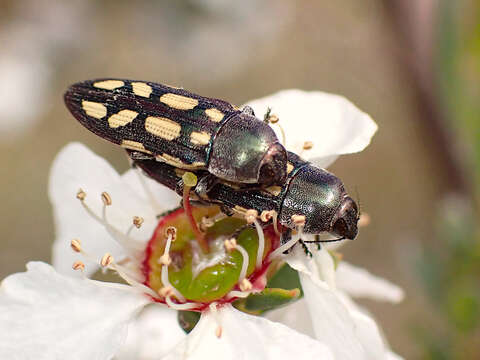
column 413, row 65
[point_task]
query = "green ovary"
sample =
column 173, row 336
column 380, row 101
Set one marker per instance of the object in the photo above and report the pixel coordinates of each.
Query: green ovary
column 203, row 277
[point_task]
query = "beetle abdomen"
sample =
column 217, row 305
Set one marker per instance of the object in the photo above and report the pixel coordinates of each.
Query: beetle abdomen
column 173, row 125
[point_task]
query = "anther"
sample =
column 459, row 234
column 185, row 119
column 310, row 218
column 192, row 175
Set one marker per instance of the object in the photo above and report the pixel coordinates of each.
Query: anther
column 76, row 245
column 166, row 291
column 307, row 145
column 251, row 215
column 267, row 215
column 106, row 260
column 78, row 265
column 230, row 244
column 106, row 198
column 245, row 285
column 165, row 259
column 137, row 221
column 273, row 119
column 298, row 220
column 364, row 220
column 171, row 231
column 81, row 195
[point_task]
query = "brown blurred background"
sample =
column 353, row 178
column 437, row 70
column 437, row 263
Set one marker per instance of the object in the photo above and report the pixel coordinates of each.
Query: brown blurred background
column 412, row 65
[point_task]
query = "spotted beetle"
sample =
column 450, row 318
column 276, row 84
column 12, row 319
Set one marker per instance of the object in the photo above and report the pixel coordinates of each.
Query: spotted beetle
column 182, row 129
column 308, row 191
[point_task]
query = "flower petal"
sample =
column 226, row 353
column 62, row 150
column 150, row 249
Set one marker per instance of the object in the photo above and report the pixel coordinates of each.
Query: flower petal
column 359, row 282
column 349, row 333
column 392, row 356
column 152, row 335
column 332, row 123
column 246, row 337
column 77, row 167
column 45, row 315
column 295, row 316
column 163, row 198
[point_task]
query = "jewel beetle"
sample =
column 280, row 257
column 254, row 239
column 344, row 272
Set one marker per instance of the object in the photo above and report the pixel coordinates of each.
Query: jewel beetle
column 179, row 128
column 308, row 191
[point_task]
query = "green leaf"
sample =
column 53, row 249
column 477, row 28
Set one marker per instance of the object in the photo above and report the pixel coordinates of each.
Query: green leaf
column 268, row 299
column 187, row 320
column 285, row 278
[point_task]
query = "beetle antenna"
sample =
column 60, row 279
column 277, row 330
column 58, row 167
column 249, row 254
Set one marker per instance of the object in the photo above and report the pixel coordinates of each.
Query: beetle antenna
column 357, row 195
column 318, row 241
column 266, row 117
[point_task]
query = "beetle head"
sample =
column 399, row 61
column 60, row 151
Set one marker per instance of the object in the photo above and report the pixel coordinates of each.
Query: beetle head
column 345, row 220
column 273, row 167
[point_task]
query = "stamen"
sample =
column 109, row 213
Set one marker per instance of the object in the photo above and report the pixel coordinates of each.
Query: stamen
column 251, row 215
column 185, row 306
column 278, row 252
column 261, row 244
column 266, row 215
column 78, row 265
column 164, row 274
column 231, row 245
column 123, row 239
column 274, row 119
column 364, row 220
column 243, row 271
column 284, row 138
column 76, row 245
column 237, row 294
column 245, row 285
column 307, row 145
column 189, row 181
column 165, row 259
column 165, row 291
column 138, row 221
column 106, row 198
column 106, row 260
column 130, row 278
column 81, row 195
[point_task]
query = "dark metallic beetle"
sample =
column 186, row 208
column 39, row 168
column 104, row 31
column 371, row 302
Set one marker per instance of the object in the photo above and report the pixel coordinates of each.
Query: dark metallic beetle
column 181, row 129
column 309, row 191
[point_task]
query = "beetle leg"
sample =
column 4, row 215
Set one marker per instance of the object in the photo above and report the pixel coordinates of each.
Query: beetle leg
column 137, row 155
column 226, row 210
column 286, row 236
column 248, row 110
column 204, row 185
column 305, row 248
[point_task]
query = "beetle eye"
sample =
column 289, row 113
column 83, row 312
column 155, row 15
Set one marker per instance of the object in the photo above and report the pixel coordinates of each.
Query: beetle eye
column 340, row 227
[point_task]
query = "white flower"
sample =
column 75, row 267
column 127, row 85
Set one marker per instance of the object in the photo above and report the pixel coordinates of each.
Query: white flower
column 46, row 314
